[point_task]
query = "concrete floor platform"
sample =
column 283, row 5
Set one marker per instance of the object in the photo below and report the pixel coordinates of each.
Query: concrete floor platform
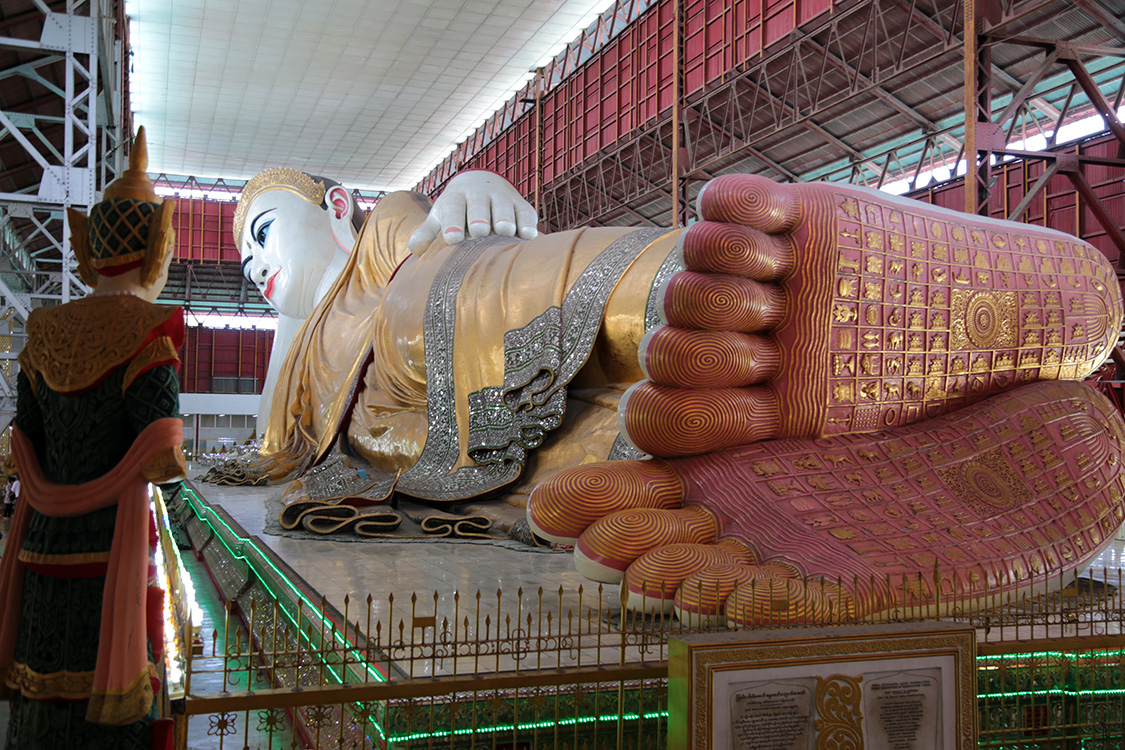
column 434, row 569
column 378, row 567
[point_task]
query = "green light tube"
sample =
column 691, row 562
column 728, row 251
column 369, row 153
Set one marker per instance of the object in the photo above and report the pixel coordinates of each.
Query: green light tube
column 525, row 727
column 206, row 514
column 1069, row 655
column 199, row 506
column 1053, row 691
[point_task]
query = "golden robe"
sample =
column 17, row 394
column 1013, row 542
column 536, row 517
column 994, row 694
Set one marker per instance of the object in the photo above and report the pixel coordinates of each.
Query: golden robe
column 446, row 369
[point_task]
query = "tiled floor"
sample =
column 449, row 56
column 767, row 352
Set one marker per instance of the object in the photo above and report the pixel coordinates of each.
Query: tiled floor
column 451, row 572
column 428, row 568
column 378, row 567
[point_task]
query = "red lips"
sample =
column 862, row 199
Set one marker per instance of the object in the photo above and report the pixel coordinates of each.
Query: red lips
column 269, row 286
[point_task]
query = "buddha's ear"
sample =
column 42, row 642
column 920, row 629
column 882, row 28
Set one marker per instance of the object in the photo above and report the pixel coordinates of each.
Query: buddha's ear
column 80, row 243
column 160, row 239
column 339, row 202
column 341, row 208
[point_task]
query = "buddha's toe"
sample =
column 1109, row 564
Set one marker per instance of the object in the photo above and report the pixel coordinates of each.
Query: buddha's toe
column 774, row 599
column 752, row 201
column 737, row 250
column 667, row 421
column 653, row 580
column 683, row 358
column 607, row 548
column 563, row 506
column 722, row 303
column 702, row 595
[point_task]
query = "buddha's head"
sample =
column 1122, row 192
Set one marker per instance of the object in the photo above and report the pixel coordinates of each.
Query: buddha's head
column 128, row 235
column 289, row 227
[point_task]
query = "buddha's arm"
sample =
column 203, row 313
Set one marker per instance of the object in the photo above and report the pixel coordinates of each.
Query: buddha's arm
column 283, row 337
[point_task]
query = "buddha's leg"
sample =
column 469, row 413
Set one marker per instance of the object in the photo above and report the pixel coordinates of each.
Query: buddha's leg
column 818, row 309
column 1001, row 495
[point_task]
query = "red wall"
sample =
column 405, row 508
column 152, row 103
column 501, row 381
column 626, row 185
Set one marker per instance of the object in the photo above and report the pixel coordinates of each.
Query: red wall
column 203, row 235
column 203, row 230
column 629, row 81
column 229, row 353
column 1057, row 205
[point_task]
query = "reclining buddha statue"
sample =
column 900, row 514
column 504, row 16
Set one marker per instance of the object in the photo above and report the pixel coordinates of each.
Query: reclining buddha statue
column 833, row 381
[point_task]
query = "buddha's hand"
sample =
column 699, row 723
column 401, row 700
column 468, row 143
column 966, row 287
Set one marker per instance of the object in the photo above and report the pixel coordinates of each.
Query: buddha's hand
column 476, row 204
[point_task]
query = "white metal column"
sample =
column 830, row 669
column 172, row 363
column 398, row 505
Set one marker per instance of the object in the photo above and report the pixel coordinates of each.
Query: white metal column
column 82, row 46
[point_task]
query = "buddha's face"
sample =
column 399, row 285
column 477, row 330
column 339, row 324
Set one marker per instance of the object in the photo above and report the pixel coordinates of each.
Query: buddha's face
column 287, row 244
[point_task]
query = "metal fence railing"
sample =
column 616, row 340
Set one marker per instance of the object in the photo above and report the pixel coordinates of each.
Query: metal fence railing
column 570, row 669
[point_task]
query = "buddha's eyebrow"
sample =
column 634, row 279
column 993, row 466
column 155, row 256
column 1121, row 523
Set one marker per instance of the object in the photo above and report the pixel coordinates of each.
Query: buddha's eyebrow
column 254, row 223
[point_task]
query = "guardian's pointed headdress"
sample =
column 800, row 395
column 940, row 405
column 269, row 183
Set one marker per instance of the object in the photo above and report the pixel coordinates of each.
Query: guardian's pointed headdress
column 130, row 228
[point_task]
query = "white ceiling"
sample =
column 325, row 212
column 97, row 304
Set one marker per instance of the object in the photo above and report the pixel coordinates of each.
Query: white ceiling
column 373, row 93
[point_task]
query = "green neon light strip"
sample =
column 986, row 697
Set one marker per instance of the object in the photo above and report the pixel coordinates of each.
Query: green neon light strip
column 535, row 725
column 239, row 556
column 1100, row 740
column 1055, row 692
column 1069, row 655
column 206, row 514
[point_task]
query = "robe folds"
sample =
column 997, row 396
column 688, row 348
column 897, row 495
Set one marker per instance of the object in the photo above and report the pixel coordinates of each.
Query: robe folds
column 448, row 368
column 119, row 689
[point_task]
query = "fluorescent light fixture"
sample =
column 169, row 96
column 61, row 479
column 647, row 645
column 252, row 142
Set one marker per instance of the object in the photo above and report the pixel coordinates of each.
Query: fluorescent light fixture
column 215, row 194
column 217, row 320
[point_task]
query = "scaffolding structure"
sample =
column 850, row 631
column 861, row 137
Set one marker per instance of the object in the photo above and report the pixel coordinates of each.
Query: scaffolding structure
column 63, row 137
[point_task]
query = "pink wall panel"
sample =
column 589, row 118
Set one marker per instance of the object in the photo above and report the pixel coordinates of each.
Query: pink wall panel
column 1056, row 206
column 807, row 10
column 628, row 82
column 203, row 230
column 226, row 353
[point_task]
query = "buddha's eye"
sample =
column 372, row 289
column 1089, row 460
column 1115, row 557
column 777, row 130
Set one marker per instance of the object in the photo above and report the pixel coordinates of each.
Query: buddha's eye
column 262, row 233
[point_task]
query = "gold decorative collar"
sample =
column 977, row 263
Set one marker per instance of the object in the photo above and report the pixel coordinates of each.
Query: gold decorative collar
column 76, row 345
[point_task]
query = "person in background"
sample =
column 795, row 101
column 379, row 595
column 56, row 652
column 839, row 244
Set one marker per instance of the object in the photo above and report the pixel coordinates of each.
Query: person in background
column 10, row 490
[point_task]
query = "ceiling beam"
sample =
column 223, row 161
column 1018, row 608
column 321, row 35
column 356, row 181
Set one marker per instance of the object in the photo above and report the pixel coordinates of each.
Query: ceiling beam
column 885, row 96
column 1105, row 17
column 936, row 27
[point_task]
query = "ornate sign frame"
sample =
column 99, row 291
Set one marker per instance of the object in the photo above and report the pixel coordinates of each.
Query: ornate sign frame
column 808, row 684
